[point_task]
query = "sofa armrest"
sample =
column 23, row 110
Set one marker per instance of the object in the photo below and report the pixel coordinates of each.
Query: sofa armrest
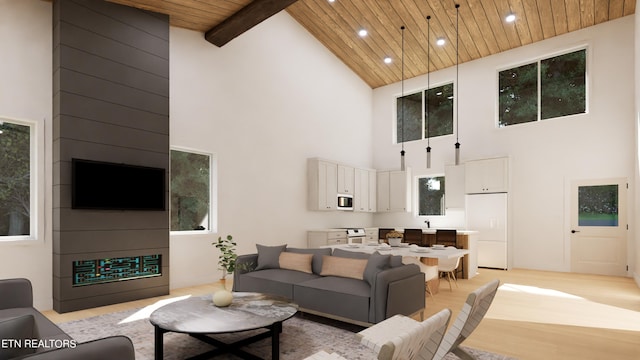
column 109, row 348
column 16, row 293
column 244, row 264
column 399, row 290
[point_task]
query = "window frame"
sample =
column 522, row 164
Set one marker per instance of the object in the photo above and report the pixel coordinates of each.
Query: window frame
column 422, row 91
column 537, row 60
column 416, row 197
column 213, row 193
column 36, row 184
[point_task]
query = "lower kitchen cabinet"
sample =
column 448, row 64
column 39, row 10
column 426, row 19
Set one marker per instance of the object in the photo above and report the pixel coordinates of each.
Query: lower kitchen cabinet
column 318, row 238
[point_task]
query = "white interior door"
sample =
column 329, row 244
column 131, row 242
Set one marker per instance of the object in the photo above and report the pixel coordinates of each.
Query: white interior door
column 599, row 227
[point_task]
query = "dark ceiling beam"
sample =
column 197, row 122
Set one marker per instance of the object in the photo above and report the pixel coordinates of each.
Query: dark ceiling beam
column 249, row 16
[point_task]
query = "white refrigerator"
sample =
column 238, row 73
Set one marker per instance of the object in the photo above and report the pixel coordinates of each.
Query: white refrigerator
column 487, row 214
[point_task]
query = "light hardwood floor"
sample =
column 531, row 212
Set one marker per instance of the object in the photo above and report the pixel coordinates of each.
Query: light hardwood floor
column 535, row 315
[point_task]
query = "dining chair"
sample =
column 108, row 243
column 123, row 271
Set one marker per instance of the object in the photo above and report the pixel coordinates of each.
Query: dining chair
column 430, row 271
column 447, row 237
column 473, row 311
column 413, row 236
column 448, row 267
column 403, row 338
column 382, row 233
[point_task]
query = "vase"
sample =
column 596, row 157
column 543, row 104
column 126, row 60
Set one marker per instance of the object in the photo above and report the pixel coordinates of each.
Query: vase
column 222, row 298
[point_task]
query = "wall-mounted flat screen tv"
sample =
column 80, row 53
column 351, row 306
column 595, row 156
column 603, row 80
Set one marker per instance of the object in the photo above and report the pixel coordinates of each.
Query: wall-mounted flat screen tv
column 111, row 186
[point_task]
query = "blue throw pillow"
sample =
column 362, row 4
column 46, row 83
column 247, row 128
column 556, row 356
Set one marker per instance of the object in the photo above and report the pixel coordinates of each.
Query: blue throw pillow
column 269, row 256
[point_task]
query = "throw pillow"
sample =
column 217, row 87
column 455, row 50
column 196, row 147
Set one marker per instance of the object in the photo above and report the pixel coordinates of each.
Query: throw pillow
column 343, row 267
column 18, row 329
column 269, row 256
column 316, row 264
column 377, row 262
column 298, row 262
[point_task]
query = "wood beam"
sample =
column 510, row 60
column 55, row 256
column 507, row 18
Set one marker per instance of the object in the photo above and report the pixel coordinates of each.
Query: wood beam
column 249, row 16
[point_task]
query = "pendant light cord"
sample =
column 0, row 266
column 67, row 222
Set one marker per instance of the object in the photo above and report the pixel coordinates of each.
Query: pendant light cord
column 428, row 78
column 402, row 90
column 457, row 74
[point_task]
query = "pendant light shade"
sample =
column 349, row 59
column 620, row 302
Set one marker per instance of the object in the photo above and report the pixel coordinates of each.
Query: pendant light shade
column 457, row 145
column 402, row 164
column 427, row 99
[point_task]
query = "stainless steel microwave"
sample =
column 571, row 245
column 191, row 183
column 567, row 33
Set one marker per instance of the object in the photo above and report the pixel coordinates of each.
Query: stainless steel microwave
column 345, row 202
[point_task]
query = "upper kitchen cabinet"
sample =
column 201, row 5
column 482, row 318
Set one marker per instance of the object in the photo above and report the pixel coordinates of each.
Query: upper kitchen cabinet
column 346, row 179
column 454, row 176
column 393, row 191
column 323, row 184
column 364, row 198
column 487, row 176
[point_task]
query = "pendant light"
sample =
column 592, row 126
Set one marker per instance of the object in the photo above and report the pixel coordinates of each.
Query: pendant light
column 402, row 167
column 427, row 99
column 457, row 145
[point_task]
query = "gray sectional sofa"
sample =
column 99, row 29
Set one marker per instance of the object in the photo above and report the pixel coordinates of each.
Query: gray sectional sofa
column 333, row 285
column 27, row 334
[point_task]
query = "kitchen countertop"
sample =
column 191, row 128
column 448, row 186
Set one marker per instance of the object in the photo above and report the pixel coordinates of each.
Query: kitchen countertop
column 424, row 230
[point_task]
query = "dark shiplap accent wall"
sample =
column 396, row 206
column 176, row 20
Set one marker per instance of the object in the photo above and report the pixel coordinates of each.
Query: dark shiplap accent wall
column 111, row 103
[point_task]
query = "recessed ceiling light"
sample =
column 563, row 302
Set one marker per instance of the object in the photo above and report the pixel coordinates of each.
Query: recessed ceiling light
column 388, row 60
column 331, row 1
column 440, row 41
column 510, row 18
column 362, row 32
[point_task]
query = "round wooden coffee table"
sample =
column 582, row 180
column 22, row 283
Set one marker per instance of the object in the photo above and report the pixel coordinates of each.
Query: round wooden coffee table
column 197, row 316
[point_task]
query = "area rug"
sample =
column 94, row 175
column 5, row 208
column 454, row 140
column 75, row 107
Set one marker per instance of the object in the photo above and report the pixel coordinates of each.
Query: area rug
column 302, row 336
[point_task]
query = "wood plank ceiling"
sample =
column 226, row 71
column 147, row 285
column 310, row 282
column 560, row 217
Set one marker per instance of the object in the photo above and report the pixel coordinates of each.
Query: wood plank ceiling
column 482, row 28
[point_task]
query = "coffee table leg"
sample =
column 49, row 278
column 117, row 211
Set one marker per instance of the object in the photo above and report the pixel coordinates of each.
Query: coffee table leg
column 275, row 340
column 158, row 346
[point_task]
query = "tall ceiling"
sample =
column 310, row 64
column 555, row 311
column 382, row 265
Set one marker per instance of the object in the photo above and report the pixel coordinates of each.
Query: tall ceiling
column 483, row 30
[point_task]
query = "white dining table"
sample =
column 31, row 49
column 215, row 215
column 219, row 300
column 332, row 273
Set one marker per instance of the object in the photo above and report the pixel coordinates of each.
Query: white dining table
column 411, row 250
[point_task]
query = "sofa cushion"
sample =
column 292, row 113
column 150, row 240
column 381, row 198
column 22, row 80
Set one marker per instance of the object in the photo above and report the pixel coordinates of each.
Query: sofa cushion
column 345, row 297
column 350, row 254
column 298, row 262
column 343, row 267
column 317, row 256
column 272, row 281
column 17, row 329
column 268, row 256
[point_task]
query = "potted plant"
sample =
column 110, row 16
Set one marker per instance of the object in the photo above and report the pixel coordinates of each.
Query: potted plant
column 227, row 257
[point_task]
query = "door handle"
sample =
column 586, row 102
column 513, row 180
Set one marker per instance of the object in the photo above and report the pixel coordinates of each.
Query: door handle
column 574, row 231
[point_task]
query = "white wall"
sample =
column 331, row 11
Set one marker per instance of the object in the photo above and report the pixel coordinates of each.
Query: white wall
column 263, row 103
column 636, row 273
column 25, row 94
column 545, row 156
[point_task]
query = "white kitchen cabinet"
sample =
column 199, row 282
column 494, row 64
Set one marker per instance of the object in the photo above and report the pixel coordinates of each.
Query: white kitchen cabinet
column 346, row 179
column 393, row 191
column 487, row 176
column 454, row 177
column 371, row 235
column 364, row 198
column 322, row 177
column 316, row 239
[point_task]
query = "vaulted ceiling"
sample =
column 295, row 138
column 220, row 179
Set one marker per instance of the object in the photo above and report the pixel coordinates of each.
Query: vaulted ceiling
column 483, row 30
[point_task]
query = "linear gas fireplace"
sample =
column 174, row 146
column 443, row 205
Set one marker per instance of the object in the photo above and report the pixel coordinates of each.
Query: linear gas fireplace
column 100, row 271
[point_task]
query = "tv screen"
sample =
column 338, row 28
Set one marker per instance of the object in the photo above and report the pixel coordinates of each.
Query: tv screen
column 111, row 186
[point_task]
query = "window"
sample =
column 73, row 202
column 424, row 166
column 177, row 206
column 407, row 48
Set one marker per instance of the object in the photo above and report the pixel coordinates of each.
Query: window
column 546, row 89
column 17, row 197
column 411, row 123
column 598, row 205
column 191, row 191
column 431, row 196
